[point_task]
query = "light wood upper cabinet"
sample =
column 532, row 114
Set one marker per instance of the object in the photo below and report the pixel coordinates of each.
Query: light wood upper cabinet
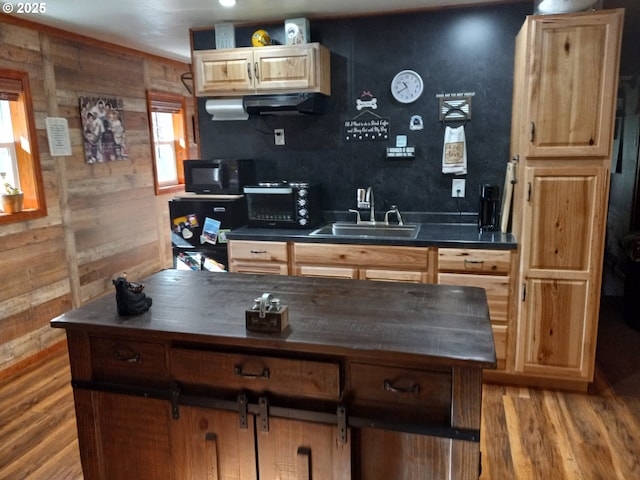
column 273, row 69
column 568, row 69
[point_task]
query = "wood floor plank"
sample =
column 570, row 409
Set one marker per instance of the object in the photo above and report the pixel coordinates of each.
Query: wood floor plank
column 621, row 432
column 571, row 469
column 497, row 461
column 526, row 434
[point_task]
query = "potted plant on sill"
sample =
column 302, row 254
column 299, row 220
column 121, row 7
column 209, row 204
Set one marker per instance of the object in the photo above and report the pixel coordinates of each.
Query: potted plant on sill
column 12, row 197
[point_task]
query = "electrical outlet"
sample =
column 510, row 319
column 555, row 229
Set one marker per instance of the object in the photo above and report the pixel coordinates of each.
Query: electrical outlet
column 457, row 187
column 279, row 136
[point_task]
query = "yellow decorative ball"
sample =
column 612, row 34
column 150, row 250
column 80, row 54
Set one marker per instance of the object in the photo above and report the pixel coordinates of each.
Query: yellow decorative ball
column 260, row 38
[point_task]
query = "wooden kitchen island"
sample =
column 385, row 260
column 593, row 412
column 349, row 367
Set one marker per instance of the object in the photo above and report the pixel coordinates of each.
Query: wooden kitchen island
column 370, row 380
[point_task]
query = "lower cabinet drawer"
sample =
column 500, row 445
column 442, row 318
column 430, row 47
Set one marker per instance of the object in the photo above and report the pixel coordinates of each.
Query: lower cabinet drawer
column 117, row 359
column 402, row 392
column 263, row 251
column 474, row 261
column 284, row 376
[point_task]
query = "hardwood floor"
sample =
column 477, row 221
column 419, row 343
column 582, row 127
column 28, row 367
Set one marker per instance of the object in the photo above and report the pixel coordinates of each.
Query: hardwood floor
column 526, row 433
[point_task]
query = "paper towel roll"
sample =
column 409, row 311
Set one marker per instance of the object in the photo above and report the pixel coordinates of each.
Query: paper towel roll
column 222, row 109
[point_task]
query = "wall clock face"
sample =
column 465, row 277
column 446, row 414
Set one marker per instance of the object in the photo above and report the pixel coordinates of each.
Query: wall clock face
column 407, row 86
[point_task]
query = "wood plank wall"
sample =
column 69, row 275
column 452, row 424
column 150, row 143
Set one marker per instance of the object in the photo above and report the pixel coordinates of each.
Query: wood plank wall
column 103, row 219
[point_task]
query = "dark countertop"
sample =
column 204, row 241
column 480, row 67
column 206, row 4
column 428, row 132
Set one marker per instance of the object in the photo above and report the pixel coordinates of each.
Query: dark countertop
column 442, row 324
column 454, row 235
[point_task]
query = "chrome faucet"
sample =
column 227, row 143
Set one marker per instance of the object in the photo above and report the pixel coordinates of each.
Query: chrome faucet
column 372, row 212
column 364, row 199
column 394, row 209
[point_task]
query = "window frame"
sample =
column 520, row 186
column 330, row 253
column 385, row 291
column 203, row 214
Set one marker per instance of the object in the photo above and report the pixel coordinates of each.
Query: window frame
column 29, row 169
column 176, row 104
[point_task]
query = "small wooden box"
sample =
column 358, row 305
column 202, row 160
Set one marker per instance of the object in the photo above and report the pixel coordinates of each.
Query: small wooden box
column 272, row 322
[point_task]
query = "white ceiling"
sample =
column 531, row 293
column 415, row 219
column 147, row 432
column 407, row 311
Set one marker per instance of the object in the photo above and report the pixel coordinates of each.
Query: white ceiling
column 162, row 27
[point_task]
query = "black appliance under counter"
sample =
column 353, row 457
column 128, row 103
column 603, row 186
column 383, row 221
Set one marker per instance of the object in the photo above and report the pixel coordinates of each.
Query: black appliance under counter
column 199, row 228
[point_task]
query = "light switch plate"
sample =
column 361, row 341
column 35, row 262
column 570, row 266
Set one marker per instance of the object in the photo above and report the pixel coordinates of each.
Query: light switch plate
column 457, row 187
column 279, row 136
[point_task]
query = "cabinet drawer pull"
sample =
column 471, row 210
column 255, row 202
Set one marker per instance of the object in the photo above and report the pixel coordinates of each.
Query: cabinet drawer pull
column 249, row 70
column 303, row 463
column 258, row 252
column 211, row 447
column 237, row 370
column 474, row 262
column 389, row 387
column 126, row 354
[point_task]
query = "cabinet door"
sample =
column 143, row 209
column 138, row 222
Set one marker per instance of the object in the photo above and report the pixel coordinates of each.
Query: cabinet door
column 563, row 234
column 285, row 68
column 393, row 275
column 295, row 450
column 210, row 445
column 497, row 290
column 326, row 272
column 123, row 436
column 223, row 72
column 398, row 455
column 258, row 267
column 573, row 67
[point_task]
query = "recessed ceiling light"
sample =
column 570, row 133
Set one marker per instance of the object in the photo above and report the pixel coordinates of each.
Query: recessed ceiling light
column 227, row 3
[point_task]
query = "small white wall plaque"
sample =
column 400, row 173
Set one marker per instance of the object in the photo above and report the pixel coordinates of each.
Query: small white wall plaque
column 58, row 136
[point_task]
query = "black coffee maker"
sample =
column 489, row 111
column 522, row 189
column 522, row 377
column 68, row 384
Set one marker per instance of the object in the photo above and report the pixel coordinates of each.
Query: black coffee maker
column 488, row 216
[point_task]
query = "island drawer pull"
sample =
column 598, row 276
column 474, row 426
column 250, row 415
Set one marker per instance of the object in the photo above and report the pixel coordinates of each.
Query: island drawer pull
column 126, row 354
column 237, row 370
column 258, row 252
column 389, row 387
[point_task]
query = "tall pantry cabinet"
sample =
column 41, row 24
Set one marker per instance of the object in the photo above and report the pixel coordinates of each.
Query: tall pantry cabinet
column 565, row 88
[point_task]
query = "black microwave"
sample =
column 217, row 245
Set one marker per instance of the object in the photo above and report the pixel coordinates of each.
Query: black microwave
column 221, row 176
column 284, row 204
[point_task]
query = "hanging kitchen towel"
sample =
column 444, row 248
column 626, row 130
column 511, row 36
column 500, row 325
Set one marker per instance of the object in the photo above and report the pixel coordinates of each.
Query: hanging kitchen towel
column 454, row 152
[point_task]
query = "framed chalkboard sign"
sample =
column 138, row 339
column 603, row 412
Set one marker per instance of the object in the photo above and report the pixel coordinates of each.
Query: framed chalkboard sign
column 367, row 128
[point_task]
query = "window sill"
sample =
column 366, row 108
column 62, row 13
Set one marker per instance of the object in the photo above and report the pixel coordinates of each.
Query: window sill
column 22, row 216
column 170, row 189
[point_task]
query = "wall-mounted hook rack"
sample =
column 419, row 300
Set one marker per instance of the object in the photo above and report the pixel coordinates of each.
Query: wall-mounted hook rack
column 454, row 106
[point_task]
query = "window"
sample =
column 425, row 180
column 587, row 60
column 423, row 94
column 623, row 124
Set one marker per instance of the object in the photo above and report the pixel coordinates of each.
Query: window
column 169, row 140
column 19, row 158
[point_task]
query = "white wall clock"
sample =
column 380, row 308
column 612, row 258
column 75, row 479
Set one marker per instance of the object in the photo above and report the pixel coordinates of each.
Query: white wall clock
column 407, row 86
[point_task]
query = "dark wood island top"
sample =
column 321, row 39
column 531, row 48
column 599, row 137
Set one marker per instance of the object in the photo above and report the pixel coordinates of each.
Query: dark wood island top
column 448, row 324
column 361, row 365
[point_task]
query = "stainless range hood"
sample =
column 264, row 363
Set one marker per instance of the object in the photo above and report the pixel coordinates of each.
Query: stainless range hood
column 286, row 104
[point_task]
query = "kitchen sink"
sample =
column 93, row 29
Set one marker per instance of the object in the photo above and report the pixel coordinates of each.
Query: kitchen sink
column 378, row 230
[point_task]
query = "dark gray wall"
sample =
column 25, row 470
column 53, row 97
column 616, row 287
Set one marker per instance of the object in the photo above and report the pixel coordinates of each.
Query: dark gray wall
column 457, row 50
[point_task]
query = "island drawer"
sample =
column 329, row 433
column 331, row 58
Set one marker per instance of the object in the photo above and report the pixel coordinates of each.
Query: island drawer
column 117, row 358
column 263, row 251
column 234, row 371
column 474, row 260
column 389, row 389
